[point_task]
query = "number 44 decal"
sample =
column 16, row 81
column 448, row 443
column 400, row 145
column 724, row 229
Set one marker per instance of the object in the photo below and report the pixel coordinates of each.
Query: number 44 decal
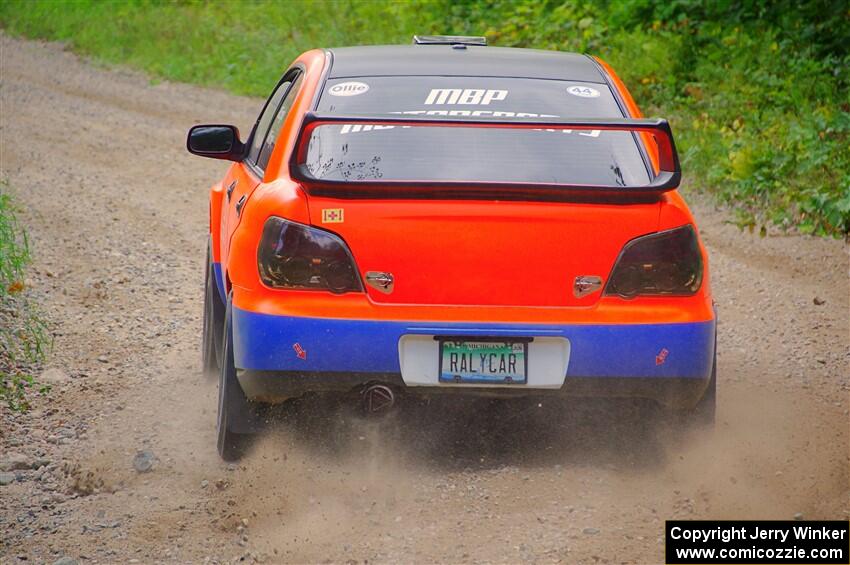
column 583, row 91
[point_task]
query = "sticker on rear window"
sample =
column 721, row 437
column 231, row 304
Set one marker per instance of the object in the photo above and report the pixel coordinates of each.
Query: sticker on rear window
column 348, row 89
column 467, row 96
column 583, row 91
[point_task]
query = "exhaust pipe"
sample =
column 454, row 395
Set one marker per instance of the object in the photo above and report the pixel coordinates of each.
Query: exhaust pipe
column 377, row 399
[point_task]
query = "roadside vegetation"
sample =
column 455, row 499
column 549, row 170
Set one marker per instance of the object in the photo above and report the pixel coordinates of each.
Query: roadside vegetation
column 757, row 92
column 23, row 334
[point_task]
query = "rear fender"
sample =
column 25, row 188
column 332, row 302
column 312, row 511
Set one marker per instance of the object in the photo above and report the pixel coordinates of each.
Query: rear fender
column 674, row 212
column 282, row 198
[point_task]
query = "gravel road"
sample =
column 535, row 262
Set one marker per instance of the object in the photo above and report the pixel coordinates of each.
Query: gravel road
column 117, row 215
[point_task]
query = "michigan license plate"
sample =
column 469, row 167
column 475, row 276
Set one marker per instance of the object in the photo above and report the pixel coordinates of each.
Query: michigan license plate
column 489, row 362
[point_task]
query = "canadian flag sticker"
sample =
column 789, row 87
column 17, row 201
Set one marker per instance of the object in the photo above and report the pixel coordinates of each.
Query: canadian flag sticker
column 333, row 215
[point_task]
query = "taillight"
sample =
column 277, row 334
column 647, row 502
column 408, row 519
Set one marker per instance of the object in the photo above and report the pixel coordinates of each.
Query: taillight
column 296, row 256
column 667, row 262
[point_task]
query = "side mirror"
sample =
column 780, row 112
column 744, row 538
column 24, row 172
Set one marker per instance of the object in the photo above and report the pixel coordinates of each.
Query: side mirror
column 216, row 142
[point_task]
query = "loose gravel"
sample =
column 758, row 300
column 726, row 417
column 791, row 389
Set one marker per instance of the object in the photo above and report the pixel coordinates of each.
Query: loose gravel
column 117, row 215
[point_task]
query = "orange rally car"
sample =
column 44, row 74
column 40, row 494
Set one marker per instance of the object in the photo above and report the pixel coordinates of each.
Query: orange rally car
column 447, row 217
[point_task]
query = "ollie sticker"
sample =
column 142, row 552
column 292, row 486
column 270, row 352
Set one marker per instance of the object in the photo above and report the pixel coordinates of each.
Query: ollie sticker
column 348, row 89
column 583, row 91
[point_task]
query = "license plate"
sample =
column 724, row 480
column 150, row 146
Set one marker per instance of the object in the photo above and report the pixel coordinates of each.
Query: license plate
column 485, row 361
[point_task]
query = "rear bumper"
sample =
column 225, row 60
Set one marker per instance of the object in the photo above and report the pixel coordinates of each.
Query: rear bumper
column 284, row 356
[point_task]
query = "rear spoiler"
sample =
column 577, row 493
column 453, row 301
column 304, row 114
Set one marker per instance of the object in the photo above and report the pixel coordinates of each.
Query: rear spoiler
column 668, row 177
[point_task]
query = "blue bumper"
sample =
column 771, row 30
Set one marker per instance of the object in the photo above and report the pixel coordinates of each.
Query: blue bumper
column 265, row 342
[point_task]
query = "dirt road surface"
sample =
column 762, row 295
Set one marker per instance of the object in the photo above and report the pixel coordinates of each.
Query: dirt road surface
column 117, row 214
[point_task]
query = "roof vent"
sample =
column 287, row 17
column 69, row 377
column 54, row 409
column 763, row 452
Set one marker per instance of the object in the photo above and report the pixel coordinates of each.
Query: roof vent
column 449, row 40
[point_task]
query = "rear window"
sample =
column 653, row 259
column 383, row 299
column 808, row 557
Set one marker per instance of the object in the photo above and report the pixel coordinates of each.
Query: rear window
column 362, row 153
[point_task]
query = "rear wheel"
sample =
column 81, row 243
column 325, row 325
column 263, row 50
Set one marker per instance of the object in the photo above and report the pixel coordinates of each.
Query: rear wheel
column 701, row 416
column 704, row 412
column 237, row 418
column 213, row 328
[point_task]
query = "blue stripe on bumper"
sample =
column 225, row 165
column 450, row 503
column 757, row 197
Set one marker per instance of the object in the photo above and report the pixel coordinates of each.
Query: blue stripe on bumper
column 265, row 342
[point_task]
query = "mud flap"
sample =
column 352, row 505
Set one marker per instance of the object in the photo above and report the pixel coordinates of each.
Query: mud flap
column 237, row 414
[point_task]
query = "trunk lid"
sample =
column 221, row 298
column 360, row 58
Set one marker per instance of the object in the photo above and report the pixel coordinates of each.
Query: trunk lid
column 483, row 253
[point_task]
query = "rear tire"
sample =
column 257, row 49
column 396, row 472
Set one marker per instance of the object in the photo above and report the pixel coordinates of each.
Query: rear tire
column 702, row 416
column 213, row 328
column 704, row 413
column 237, row 420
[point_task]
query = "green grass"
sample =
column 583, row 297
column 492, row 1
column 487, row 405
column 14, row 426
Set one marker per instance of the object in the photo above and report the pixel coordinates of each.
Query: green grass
column 23, row 334
column 241, row 46
column 757, row 92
